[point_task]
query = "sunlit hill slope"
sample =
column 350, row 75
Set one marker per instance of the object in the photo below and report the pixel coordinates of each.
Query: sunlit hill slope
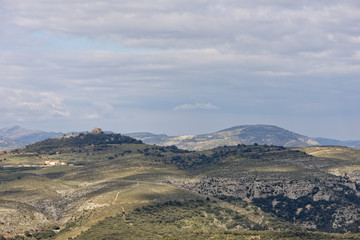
column 110, row 186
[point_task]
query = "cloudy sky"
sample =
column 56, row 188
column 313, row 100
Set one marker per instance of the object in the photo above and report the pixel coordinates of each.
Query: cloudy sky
column 181, row 66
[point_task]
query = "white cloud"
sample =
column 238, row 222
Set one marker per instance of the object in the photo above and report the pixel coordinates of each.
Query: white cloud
column 96, row 59
column 197, row 106
column 19, row 104
column 257, row 26
column 92, row 116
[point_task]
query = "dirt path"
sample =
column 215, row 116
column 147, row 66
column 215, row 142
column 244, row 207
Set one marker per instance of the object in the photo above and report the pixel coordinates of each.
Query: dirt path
column 116, row 197
column 117, row 194
column 122, row 208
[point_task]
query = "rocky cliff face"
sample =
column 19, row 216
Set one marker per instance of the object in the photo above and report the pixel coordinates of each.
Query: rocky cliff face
column 294, row 186
column 329, row 205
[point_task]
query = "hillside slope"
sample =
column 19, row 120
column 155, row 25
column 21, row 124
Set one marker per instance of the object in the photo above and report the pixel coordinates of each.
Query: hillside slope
column 115, row 187
column 247, row 134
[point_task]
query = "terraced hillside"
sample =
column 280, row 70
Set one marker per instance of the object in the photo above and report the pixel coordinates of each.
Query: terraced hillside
column 109, row 186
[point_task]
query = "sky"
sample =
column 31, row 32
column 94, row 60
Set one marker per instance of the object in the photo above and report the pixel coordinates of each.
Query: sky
column 181, row 66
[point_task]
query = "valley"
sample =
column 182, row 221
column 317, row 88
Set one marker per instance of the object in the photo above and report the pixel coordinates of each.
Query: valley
column 116, row 187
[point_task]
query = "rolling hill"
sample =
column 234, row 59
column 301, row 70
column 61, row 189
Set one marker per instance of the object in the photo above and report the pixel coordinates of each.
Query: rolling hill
column 110, row 186
column 246, row 134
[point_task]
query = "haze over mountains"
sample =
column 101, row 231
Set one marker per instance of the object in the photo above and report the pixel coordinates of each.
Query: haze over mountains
column 334, row 142
column 17, row 137
column 245, row 134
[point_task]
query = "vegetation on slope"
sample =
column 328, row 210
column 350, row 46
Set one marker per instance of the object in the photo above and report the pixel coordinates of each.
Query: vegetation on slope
column 193, row 219
column 79, row 141
column 118, row 187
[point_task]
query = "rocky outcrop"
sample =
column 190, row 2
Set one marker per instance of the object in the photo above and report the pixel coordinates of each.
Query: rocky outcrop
column 326, row 204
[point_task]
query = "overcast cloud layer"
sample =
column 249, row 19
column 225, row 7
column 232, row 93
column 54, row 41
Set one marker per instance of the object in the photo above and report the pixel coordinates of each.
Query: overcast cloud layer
column 181, row 67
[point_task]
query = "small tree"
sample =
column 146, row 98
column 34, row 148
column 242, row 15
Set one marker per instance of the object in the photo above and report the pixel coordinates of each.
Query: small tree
column 27, row 234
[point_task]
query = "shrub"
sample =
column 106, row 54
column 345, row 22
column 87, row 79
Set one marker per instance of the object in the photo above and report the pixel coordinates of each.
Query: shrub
column 44, row 235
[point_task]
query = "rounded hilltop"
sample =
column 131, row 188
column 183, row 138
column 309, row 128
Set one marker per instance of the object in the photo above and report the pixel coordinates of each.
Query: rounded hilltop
column 94, row 138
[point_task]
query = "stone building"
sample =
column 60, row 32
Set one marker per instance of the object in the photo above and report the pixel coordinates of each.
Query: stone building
column 97, row 130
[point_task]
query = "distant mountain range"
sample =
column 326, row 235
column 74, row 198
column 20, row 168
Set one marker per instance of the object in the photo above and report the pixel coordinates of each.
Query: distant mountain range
column 334, row 142
column 18, row 137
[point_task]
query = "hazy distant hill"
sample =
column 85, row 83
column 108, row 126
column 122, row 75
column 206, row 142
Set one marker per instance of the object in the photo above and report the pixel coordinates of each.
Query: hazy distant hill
column 246, row 134
column 7, row 143
column 334, row 142
column 16, row 137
